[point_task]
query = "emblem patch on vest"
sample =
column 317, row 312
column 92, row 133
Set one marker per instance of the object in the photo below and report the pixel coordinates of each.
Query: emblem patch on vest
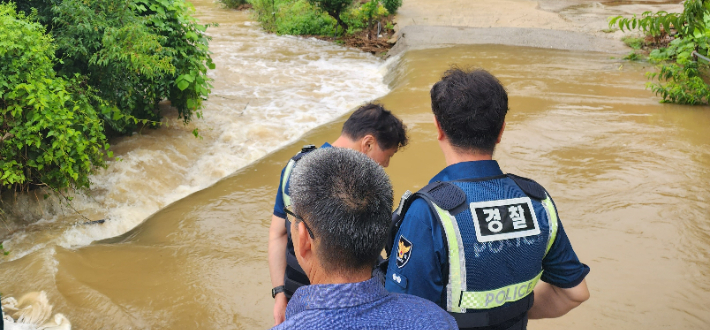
column 404, row 251
column 504, row 219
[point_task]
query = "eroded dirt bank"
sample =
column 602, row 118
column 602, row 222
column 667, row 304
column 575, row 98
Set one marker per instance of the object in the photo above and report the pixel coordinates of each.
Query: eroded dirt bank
column 558, row 24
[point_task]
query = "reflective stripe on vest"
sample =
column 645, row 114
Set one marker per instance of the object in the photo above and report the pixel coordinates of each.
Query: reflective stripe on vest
column 458, row 299
column 552, row 216
column 284, row 180
column 457, row 260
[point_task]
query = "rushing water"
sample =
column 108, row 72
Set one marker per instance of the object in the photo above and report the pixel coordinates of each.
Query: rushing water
column 268, row 90
column 629, row 176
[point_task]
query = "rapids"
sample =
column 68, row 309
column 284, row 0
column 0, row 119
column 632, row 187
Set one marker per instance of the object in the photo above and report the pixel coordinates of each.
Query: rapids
column 184, row 247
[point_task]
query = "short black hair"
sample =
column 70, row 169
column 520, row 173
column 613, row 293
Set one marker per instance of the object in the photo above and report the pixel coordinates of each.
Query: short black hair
column 470, row 106
column 374, row 119
column 346, row 200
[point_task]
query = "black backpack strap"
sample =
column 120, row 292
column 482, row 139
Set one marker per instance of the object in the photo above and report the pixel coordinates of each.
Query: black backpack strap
column 446, row 195
column 397, row 218
column 529, row 187
column 306, row 149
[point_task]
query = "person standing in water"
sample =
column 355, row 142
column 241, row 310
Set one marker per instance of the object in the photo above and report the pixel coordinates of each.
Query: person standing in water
column 371, row 130
column 478, row 242
column 340, row 216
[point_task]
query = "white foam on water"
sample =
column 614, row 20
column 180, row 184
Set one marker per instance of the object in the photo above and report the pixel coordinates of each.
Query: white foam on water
column 268, row 91
column 32, row 312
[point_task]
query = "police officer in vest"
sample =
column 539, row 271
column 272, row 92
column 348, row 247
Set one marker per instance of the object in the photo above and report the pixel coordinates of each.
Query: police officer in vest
column 476, row 241
column 371, row 130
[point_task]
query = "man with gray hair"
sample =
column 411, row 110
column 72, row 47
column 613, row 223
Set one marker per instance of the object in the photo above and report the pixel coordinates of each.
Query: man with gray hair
column 340, row 216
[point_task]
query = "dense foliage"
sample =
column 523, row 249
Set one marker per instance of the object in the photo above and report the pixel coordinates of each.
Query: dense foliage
column 233, row 3
column 135, row 53
column 295, row 17
column 333, row 8
column 392, row 5
column 50, row 132
column 681, row 78
column 307, row 17
column 80, row 67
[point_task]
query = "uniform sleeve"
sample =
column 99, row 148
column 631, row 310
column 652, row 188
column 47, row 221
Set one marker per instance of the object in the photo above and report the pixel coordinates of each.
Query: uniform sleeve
column 420, row 272
column 279, row 203
column 561, row 267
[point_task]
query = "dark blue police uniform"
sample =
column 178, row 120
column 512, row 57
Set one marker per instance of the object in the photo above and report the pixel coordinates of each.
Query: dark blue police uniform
column 503, row 239
column 294, row 277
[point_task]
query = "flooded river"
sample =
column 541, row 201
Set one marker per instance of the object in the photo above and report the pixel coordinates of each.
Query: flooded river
column 629, row 176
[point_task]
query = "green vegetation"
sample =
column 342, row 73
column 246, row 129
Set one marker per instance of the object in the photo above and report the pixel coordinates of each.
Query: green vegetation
column 633, row 42
column 50, row 130
column 135, row 54
column 321, row 17
column 633, row 56
column 681, row 77
column 234, row 4
column 334, row 8
column 73, row 70
column 392, row 5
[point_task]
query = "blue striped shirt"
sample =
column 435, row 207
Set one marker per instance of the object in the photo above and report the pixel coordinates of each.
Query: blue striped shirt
column 362, row 305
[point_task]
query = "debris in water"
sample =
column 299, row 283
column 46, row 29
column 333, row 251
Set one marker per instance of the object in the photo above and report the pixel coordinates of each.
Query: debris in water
column 95, row 222
column 33, row 309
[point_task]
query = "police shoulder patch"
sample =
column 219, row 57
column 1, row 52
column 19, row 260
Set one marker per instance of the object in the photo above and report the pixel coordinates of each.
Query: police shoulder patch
column 504, row 219
column 404, row 251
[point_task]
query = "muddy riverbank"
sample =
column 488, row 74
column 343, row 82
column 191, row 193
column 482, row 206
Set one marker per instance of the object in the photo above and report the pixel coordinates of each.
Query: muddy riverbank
column 553, row 24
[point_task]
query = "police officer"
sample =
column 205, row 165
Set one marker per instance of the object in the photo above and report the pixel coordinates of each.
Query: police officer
column 371, row 130
column 476, row 241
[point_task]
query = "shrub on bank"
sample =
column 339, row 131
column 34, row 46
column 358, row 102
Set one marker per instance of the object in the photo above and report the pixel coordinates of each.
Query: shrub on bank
column 334, row 8
column 302, row 19
column 71, row 69
column 682, row 76
column 364, row 16
column 234, row 4
column 310, row 17
column 50, row 132
column 134, row 53
column 294, row 17
column 392, row 5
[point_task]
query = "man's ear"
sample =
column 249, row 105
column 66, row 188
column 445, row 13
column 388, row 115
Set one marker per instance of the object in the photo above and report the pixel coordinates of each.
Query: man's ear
column 367, row 143
column 303, row 246
column 440, row 132
column 500, row 135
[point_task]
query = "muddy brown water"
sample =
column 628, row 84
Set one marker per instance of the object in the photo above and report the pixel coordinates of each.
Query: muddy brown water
column 629, row 176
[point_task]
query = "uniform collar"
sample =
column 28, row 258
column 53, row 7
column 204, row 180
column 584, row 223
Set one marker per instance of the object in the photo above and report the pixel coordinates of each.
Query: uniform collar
column 468, row 170
column 334, row 296
column 326, row 145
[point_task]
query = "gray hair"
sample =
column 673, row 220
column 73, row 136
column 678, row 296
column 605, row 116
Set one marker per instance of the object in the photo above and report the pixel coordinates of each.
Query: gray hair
column 346, row 199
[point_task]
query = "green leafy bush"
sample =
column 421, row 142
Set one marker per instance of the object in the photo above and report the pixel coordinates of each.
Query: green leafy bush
column 633, row 56
column 301, row 18
column 392, row 5
column 334, row 8
column 135, row 54
column 233, row 3
column 635, row 43
column 294, row 17
column 108, row 65
column 359, row 18
column 50, row 133
column 681, row 78
column 306, row 17
column 189, row 86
